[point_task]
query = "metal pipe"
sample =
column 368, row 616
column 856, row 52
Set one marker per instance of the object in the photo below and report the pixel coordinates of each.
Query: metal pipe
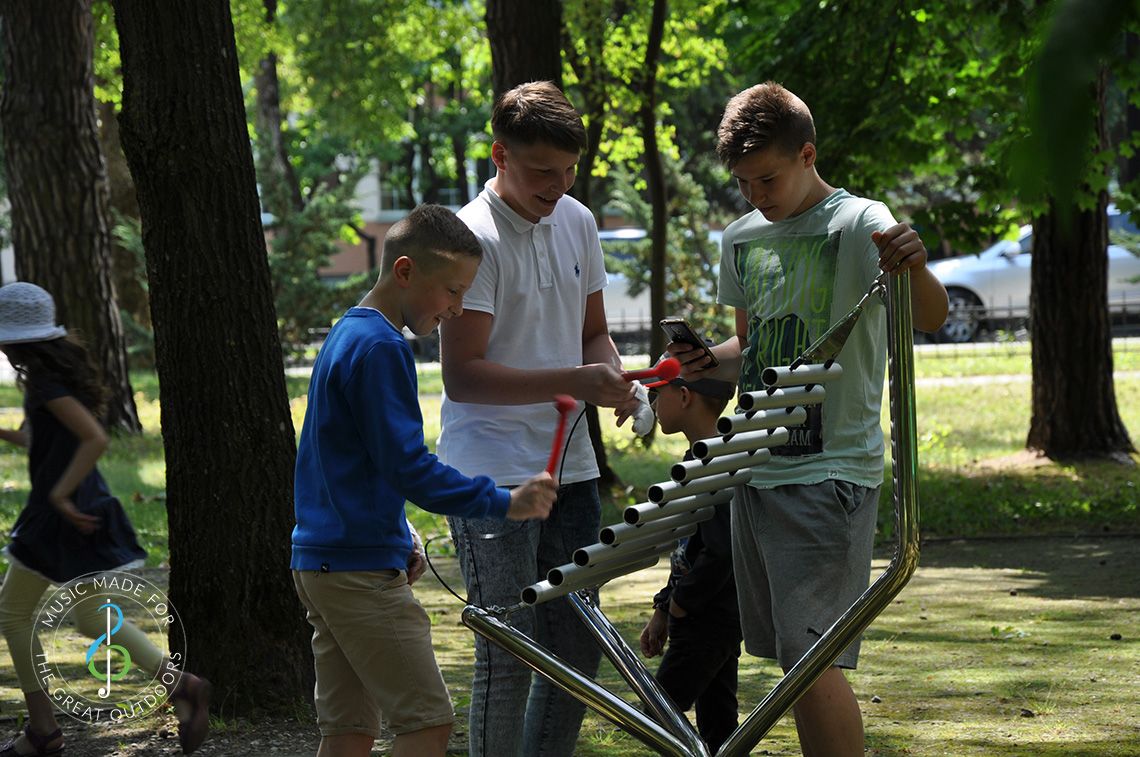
column 854, row 621
column 787, row 397
column 601, row 553
column 671, row 490
column 812, row 373
column 618, row 558
column 754, row 420
column 544, row 591
column 647, row 512
column 726, row 445
column 629, row 665
column 575, row 683
column 762, row 439
column 691, row 470
column 620, row 532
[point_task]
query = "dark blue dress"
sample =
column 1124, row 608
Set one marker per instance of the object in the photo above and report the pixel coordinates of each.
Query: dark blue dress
column 43, row 541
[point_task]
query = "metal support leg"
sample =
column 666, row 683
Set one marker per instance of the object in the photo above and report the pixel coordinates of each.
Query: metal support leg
column 634, row 672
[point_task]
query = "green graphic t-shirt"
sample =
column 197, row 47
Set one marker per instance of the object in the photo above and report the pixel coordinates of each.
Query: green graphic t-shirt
column 795, row 278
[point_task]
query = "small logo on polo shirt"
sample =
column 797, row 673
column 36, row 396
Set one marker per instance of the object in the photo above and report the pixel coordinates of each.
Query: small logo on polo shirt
column 577, row 271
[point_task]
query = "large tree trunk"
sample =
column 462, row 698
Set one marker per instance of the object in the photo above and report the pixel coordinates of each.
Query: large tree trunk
column 57, row 180
column 1074, row 398
column 525, row 40
column 226, row 425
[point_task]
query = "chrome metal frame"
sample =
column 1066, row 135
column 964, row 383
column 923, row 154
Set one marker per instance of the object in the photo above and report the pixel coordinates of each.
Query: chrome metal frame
column 668, row 731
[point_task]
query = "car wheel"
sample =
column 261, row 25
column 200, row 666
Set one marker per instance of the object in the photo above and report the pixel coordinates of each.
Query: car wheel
column 964, row 319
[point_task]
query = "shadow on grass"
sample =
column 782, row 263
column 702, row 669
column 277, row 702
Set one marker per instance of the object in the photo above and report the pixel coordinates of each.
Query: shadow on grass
column 1056, row 568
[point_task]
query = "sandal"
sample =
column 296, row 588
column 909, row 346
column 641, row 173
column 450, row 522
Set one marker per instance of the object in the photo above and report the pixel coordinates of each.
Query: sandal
column 38, row 742
column 193, row 729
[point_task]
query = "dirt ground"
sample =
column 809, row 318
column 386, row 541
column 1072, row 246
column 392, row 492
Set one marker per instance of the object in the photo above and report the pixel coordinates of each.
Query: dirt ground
column 1060, row 569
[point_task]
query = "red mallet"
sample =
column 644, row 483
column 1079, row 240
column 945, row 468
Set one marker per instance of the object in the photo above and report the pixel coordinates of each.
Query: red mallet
column 564, row 403
column 665, row 371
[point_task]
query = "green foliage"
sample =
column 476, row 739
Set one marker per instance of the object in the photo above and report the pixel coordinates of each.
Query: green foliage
column 303, row 242
column 916, row 106
column 1081, row 38
column 691, row 258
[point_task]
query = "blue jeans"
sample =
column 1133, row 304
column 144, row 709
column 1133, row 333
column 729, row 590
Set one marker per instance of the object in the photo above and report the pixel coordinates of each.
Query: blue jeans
column 498, row 558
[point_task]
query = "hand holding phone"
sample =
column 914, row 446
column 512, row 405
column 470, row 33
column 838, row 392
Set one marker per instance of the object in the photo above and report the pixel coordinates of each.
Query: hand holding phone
column 679, row 330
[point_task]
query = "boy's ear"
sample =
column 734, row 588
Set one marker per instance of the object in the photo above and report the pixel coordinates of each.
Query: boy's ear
column 402, row 270
column 499, row 154
column 808, row 154
column 686, row 396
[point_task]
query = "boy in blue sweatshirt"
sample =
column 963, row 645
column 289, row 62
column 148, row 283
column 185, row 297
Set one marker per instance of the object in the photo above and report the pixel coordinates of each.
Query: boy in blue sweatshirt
column 361, row 455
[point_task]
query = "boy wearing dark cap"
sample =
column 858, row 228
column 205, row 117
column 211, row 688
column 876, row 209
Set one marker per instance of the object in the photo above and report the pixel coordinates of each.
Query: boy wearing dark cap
column 697, row 611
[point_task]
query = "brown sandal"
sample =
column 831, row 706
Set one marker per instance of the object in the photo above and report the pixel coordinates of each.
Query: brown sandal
column 38, row 742
column 194, row 729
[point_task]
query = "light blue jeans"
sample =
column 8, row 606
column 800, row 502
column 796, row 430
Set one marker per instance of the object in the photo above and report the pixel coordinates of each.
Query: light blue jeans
column 498, row 558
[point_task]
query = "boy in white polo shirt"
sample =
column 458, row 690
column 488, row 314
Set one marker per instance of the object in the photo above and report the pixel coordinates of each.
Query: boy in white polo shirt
column 533, row 325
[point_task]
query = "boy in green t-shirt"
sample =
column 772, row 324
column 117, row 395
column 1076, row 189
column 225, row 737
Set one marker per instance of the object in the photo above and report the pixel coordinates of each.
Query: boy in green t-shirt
column 804, row 527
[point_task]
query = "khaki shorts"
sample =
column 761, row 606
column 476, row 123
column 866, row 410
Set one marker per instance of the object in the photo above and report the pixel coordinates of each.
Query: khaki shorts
column 372, row 652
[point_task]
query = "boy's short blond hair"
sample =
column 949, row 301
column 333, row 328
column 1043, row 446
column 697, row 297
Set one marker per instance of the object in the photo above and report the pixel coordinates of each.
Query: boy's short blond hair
column 430, row 235
column 765, row 115
column 538, row 112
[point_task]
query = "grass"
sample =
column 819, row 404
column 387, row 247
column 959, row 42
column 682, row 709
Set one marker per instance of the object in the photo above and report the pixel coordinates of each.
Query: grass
column 1011, row 638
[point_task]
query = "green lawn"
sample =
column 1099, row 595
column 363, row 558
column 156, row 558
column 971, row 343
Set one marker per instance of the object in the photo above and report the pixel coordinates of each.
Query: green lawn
column 997, row 647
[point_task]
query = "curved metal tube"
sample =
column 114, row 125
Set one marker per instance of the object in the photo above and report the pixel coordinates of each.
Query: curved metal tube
column 904, row 446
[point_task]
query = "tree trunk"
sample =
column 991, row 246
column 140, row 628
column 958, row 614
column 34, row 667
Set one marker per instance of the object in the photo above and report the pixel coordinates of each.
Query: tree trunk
column 525, row 38
column 655, row 174
column 127, row 273
column 57, row 181
column 285, row 196
column 1074, row 398
column 226, row 427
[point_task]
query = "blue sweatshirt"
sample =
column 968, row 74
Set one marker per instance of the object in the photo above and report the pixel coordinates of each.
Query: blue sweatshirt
column 362, row 454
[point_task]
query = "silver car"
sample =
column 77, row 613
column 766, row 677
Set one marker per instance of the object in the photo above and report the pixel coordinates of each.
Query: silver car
column 991, row 288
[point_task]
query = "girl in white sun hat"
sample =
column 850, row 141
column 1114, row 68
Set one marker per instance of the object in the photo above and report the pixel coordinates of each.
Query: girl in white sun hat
column 71, row 524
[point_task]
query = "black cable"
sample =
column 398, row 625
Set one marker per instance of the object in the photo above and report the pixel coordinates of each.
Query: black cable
column 488, row 537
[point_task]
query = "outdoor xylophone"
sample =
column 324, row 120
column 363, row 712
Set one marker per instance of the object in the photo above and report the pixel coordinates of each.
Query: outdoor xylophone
column 675, row 507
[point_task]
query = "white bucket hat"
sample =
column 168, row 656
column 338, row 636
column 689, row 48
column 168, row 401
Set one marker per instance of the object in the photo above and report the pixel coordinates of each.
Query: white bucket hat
column 27, row 314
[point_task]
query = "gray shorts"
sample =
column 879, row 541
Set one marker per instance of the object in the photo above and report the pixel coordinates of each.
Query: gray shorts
column 802, row 556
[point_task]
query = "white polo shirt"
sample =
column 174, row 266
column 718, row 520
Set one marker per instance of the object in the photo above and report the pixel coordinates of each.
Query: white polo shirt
column 534, row 280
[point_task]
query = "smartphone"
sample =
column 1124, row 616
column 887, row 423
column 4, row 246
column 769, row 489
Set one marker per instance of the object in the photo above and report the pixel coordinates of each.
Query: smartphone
column 679, row 330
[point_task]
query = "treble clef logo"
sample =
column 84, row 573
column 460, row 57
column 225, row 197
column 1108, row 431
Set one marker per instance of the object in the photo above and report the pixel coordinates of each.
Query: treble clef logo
column 107, row 675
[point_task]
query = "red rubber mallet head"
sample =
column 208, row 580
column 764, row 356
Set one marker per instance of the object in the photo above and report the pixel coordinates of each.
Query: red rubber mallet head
column 667, row 370
column 564, row 404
